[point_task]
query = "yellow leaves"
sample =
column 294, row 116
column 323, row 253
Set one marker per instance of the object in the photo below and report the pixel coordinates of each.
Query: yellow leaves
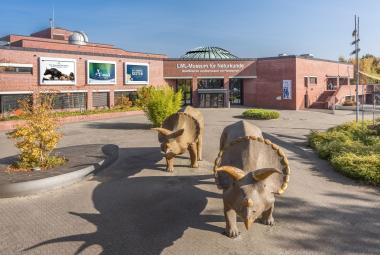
column 39, row 136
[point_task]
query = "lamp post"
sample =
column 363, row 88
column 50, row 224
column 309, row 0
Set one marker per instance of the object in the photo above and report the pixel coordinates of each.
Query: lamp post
column 355, row 34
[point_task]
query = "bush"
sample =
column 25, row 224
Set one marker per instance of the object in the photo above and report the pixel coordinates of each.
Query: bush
column 261, row 114
column 363, row 167
column 39, row 136
column 349, row 103
column 123, row 103
column 352, row 148
column 159, row 102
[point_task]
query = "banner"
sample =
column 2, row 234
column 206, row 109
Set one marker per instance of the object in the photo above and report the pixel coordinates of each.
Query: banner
column 286, row 89
column 136, row 73
column 101, row 72
column 57, row 71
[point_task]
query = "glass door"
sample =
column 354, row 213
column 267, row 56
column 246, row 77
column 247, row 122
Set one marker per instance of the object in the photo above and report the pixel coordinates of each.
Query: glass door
column 211, row 100
column 185, row 86
column 236, row 91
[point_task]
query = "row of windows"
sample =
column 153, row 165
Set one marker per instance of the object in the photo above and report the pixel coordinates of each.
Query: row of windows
column 69, row 101
column 16, row 69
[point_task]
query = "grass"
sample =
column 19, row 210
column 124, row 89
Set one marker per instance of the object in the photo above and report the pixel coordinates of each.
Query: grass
column 261, row 114
column 352, row 149
column 77, row 113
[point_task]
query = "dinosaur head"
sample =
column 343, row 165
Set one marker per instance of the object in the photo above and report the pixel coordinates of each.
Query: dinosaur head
column 169, row 141
column 246, row 190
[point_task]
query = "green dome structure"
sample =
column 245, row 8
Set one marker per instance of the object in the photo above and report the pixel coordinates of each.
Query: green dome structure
column 208, row 53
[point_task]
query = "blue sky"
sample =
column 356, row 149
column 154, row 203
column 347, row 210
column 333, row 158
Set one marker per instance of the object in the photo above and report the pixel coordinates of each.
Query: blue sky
column 248, row 28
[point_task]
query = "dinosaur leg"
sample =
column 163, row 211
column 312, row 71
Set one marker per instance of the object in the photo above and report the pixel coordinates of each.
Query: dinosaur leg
column 193, row 155
column 199, row 147
column 231, row 227
column 267, row 216
column 170, row 164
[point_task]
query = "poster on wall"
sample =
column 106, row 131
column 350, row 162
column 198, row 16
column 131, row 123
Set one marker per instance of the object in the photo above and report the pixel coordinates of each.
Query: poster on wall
column 136, row 73
column 286, row 89
column 57, row 71
column 101, row 72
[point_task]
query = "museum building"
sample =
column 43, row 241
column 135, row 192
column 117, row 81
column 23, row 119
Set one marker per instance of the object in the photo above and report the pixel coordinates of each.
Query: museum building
column 86, row 75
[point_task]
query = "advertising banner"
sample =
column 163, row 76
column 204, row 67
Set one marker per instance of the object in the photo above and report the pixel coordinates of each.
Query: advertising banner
column 286, row 89
column 136, row 73
column 101, row 72
column 57, row 71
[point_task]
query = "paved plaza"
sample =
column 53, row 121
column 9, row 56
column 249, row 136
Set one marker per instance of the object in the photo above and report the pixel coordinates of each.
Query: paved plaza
column 135, row 207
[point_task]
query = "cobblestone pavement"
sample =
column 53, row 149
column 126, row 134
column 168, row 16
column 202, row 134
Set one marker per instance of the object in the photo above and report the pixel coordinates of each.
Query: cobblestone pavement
column 135, row 207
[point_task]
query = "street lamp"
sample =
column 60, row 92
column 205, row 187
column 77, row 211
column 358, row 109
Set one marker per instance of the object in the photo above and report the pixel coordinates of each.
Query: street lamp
column 356, row 41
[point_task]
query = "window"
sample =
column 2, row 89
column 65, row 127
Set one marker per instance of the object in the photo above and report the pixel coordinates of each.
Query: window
column 313, row 80
column 69, row 101
column 210, row 83
column 100, row 99
column 16, row 68
column 9, row 103
column 306, row 81
column 132, row 95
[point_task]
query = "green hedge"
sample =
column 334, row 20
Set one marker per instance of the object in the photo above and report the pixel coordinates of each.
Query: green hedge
column 352, row 148
column 261, row 114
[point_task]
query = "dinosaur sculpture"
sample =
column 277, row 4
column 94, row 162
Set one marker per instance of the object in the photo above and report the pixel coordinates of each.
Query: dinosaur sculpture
column 250, row 170
column 179, row 132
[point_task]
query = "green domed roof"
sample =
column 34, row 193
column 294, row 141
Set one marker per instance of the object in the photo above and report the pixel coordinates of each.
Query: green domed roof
column 208, row 53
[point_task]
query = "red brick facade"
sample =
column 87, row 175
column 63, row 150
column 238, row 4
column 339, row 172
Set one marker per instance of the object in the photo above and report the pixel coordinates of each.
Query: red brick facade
column 262, row 79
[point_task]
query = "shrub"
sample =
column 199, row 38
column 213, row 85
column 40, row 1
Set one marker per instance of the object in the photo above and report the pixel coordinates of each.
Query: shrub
column 159, row 102
column 349, row 103
column 352, row 148
column 261, row 114
column 123, row 103
column 39, row 136
column 363, row 167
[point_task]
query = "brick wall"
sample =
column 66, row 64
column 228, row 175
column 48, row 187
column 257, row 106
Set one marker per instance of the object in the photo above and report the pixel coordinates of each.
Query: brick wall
column 30, row 82
column 320, row 69
column 266, row 89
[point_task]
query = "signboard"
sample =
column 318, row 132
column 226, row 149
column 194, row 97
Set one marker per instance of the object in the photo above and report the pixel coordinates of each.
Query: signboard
column 209, row 67
column 101, row 72
column 57, row 71
column 286, row 89
column 136, row 73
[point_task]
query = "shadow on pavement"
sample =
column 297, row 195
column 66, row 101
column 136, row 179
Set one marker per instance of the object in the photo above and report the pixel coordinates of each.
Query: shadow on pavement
column 143, row 214
column 332, row 229
column 119, row 125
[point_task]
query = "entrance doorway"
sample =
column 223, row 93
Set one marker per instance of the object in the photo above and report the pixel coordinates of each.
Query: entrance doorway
column 236, row 91
column 211, row 100
column 185, row 86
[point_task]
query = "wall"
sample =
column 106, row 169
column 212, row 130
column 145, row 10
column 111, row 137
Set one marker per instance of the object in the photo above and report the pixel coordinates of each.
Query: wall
column 171, row 69
column 267, row 87
column 320, row 69
column 30, row 82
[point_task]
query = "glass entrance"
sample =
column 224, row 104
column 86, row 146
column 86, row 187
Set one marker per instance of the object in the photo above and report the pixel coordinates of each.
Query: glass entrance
column 236, row 91
column 185, row 86
column 211, row 100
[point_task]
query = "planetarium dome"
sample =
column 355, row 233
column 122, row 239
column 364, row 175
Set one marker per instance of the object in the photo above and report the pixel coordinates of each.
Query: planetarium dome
column 78, row 37
column 208, row 53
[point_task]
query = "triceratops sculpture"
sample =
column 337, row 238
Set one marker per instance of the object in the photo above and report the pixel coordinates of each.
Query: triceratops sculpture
column 179, row 132
column 250, row 170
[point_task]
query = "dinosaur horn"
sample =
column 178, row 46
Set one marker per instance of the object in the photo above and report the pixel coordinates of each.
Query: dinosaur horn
column 262, row 174
column 234, row 172
column 162, row 131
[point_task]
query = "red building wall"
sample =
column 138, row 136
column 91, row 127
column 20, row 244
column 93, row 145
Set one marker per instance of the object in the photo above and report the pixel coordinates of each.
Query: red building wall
column 30, row 82
column 266, row 90
column 320, row 69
